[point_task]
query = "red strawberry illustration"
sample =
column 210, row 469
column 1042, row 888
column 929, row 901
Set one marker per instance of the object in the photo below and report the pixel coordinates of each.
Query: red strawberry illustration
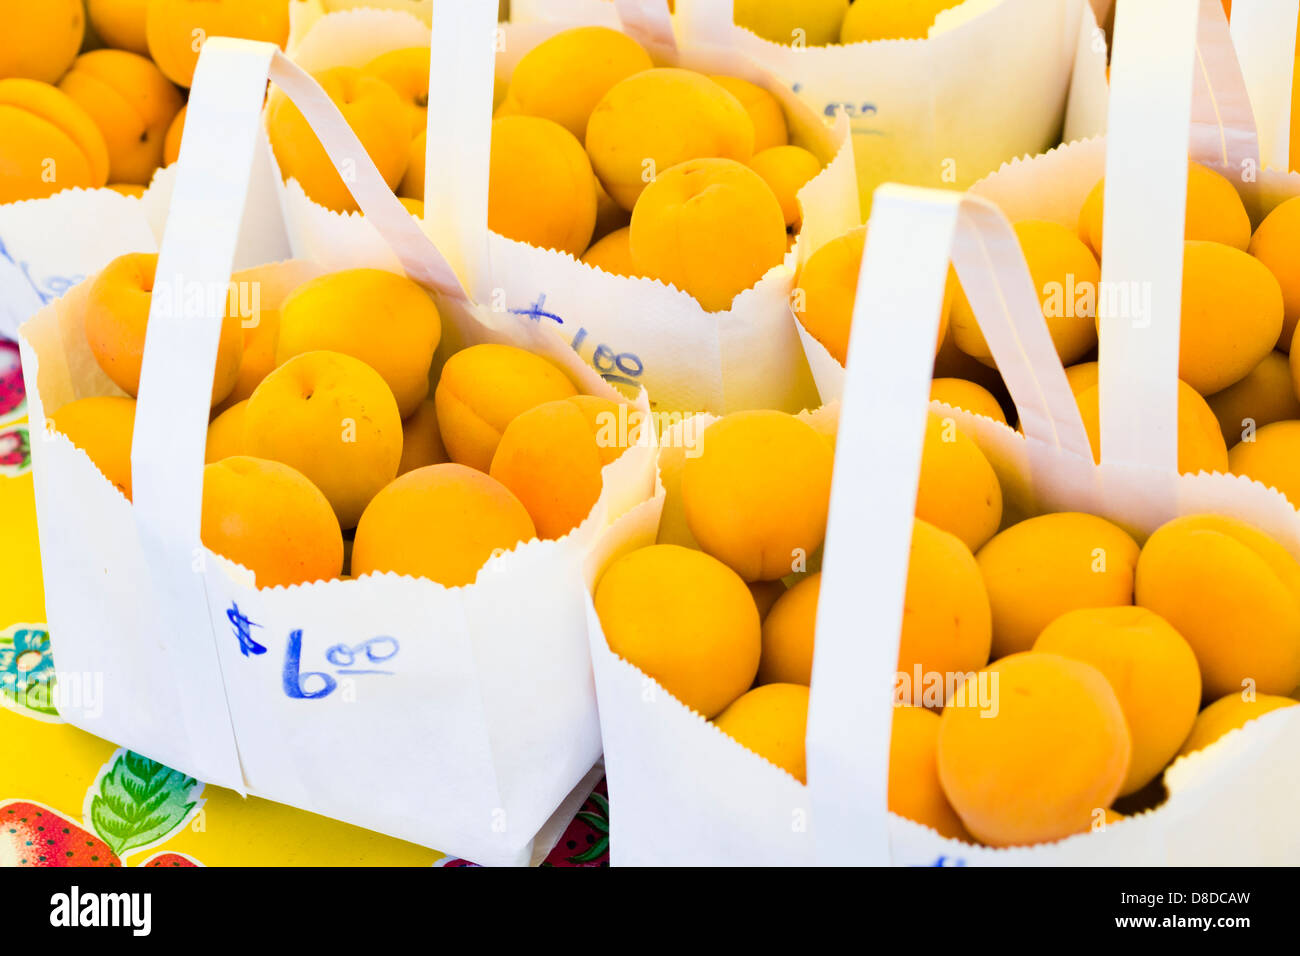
column 34, row 835
column 586, row 841
column 171, row 859
column 12, row 394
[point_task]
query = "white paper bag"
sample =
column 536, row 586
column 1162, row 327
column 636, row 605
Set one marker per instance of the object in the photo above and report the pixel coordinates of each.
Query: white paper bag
column 994, row 80
column 457, row 718
column 689, row 795
column 635, row 332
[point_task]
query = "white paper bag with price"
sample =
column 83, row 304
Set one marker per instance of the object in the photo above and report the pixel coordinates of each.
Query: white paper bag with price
column 461, row 719
column 995, row 79
column 635, row 332
column 687, row 794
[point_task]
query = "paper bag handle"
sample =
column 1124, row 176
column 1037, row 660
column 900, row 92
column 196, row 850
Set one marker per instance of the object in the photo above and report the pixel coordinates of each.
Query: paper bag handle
column 911, row 237
column 707, row 22
column 1264, row 35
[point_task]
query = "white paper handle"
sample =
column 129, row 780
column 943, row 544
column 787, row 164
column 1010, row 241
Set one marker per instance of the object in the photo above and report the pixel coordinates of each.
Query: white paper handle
column 650, row 23
column 911, row 237
column 706, row 22
column 1264, row 34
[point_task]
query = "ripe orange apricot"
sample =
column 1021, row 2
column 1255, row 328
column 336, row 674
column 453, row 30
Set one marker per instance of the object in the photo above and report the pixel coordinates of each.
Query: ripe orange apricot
column 102, row 427
column 1229, row 713
column 1272, row 457
column 765, row 112
column 1266, row 395
column 542, row 190
column 1200, row 440
column 379, row 317
column 269, row 518
column 482, row 389
column 1233, row 593
column 772, row 721
column 41, row 39
column 172, row 141
column 550, row 457
column 684, row 618
column 613, row 253
column 1152, row 670
column 421, row 440
column 412, row 184
column 1056, row 750
column 120, row 23
column 914, row 788
column 226, row 434
column 958, row 491
column 565, row 76
column 787, row 169
column 177, row 29
column 757, row 495
column 133, row 105
column 374, row 111
column 1276, row 243
column 710, row 227
column 333, row 418
column 1215, row 211
column 441, row 522
column 47, row 142
column 968, row 396
column 656, row 119
column 117, row 314
column 260, row 338
column 805, row 22
column 407, row 72
column 788, row 632
column 1040, row 568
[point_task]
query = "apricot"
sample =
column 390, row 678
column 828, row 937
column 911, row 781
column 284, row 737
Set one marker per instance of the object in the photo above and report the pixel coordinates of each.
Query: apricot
column 47, row 142
column 710, row 227
column 134, row 190
column 1264, row 396
column 1215, row 212
column 541, row 189
column 1233, row 593
column 133, row 105
column 117, row 314
column 1065, row 275
column 686, row 620
column 376, row 114
column 1272, row 457
column 381, row 318
column 1040, row 568
column 1276, row 243
column 102, row 427
column 177, row 29
column 828, row 290
column 887, row 20
column 1231, row 315
column 412, row 184
column 333, row 418
column 765, row 112
column 757, row 495
column 421, row 440
column 549, row 457
column 947, row 622
column 407, row 72
column 656, row 119
column 1152, row 670
column 610, row 216
column 441, row 522
column 1200, row 440
column 482, row 389
column 269, row 518
column 802, row 22
column 226, row 434
column 260, row 341
column 564, row 77
column 787, row 169
column 771, row 721
column 120, row 23
column 172, row 141
column 1229, row 713
column 41, row 38
column 1056, row 749
column 613, row 254
column 968, row 396
column 788, row 631
column 1082, row 377
column 914, row 788
column 959, row 490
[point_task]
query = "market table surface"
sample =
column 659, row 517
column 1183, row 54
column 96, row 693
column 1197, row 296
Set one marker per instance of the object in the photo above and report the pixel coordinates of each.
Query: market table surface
column 117, row 807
